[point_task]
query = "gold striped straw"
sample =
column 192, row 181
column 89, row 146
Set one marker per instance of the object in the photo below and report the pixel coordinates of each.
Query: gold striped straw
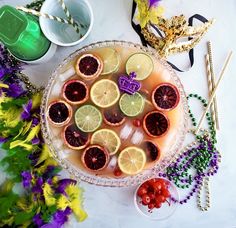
column 68, row 15
column 214, row 91
column 213, row 79
column 210, row 87
column 45, row 15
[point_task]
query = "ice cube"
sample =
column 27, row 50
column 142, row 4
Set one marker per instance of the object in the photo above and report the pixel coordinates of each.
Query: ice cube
column 56, row 89
column 126, row 131
column 137, row 137
column 67, row 74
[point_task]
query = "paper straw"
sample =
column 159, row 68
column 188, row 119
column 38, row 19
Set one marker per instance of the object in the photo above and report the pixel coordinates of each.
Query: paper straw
column 45, row 15
column 210, row 87
column 216, row 117
column 214, row 90
column 68, row 15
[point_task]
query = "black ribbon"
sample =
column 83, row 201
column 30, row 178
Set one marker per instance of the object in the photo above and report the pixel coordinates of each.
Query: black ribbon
column 145, row 43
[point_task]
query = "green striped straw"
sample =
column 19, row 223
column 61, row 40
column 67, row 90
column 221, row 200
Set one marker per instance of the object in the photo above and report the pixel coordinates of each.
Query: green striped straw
column 45, row 15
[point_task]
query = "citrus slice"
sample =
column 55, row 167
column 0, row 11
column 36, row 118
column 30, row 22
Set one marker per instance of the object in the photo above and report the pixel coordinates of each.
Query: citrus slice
column 88, row 118
column 104, row 93
column 141, row 64
column 59, row 113
column 111, row 60
column 131, row 160
column 75, row 92
column 89, row 66
column 95, row 158
column 165, row 97
column 131, row 105
column 107, row 139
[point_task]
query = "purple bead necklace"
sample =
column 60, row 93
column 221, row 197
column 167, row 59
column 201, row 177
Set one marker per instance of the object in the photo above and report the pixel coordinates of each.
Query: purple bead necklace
column 201, row 158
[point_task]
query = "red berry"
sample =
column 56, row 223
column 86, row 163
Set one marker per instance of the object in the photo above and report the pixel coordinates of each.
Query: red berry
column 157, row 186
column 146, row 199
column 160, row 199
column 163, row 183
column 117, row 172
column 141, row 191
column 166, row 193
column 158, row 204
column 151, row 206
column 151, row 195
column 137, row 122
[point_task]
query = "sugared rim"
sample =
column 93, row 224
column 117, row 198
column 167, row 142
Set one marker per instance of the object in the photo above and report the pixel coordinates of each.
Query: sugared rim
column 100, row 148
column 67, row 119
column 75, row 102
column 146, row 129
column 99, row 69
column 153, row 96
column 125, row 181
column 70, row 146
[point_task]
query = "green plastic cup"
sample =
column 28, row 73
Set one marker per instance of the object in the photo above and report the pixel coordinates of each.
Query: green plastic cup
column 21, row 34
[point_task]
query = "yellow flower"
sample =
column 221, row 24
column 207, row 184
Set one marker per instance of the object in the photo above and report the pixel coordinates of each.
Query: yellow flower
column 48, row 195
column 74, row 201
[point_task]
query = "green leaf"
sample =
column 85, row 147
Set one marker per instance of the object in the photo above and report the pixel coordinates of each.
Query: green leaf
column 22, row 217
column 14, row 102
column 7, row 201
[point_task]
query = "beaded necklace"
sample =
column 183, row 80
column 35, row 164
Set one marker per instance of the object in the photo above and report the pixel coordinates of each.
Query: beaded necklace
column 200, row 157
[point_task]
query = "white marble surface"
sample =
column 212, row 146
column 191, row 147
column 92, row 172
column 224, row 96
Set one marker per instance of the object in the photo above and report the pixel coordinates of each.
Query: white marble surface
column 113, row 207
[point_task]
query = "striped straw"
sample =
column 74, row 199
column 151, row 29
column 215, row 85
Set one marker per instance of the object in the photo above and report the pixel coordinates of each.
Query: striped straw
column 45, row 15
column 68, row 15
column 210, row 87
column 209, row 48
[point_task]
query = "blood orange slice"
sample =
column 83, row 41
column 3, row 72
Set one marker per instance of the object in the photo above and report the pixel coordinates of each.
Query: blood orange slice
column 113, row 117
column 75, row 91
column 59, row 113
column 89, row 66
column 152, row 150
column 165, row 97
column 155, row 124
column 75, row 138
column 95, row 158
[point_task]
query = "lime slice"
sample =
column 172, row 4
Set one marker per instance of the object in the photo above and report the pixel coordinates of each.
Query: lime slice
column 104, row 93
column 111, row 60
column 131, row 105
column 141, row 64
column 131, row 160
column 88, row 118
column 107, row 139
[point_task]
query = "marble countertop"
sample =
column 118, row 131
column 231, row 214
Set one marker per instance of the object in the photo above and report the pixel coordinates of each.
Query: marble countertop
column 113, row 207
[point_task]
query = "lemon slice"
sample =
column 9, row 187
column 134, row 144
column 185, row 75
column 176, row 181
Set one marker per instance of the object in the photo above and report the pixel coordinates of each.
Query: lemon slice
column 111, row 60
column 107, row 139
column 131, row 160
column 88, row 118
column 141, row 64
column 131, row 105
column 104, row 93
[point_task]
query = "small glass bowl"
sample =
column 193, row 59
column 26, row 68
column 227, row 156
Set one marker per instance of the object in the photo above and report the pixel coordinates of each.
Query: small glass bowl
column 165, row 211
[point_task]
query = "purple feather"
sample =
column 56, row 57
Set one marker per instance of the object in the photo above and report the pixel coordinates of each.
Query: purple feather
column 62, row 184
column 25, row 115
column 153, row 3
column 26, row 179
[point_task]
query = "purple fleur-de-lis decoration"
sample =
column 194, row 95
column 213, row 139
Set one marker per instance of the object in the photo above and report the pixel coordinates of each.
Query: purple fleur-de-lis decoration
column 128, row 84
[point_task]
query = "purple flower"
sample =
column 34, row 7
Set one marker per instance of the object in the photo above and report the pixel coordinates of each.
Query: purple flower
column 2, row 72
column 15, row 90
column 26, row 178
column 153, row 3
column 38, row 220
column 37, row 188
column 62, row 184
column 35, row 141
column 35, row 122
column 3, row 140
column 59, row 218
column 25, row 115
